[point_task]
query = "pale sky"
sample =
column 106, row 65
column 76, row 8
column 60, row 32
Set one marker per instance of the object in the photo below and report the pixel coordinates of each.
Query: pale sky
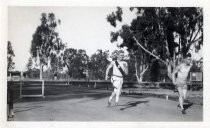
column 81, row 28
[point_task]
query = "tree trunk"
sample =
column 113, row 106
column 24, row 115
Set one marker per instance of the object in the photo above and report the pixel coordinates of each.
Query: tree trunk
column 139, row 76
column 169, row 70
column 136, row 68
column 41, row 71
column 147, row 50
column 142, row 73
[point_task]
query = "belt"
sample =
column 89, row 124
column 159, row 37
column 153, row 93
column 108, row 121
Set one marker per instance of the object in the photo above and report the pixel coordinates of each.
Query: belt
column 117, row 76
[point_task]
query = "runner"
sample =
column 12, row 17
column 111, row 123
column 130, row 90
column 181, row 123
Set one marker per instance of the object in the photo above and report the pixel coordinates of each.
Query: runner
column 180, row 81
column 120, row 68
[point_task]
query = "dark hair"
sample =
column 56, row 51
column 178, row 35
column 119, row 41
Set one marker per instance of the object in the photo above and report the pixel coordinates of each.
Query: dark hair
column 187, row 55
column 120, row 51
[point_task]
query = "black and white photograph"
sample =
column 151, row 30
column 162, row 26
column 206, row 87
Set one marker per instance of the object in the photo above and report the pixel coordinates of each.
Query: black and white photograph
column 105, row 64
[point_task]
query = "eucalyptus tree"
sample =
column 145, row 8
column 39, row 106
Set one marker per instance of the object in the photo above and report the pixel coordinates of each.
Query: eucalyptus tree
column 46, row 42
column 29, row 64
column 162, row 33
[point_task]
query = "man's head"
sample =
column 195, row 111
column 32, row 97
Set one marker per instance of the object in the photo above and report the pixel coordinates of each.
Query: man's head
column 120, row 55
column 117, row 55
column 187, row 58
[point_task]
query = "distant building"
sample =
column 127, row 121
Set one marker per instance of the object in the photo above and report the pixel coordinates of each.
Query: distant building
column 14, row 75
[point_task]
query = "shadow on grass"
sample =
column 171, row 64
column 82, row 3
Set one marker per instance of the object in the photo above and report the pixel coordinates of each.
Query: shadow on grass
column 22, row 109
column 187, row 106
column 132, row 104
column 55, row 93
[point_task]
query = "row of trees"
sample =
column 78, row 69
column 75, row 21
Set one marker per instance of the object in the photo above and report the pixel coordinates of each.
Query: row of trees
column 74, row 63
column 156, row 39
column 80, row 65
column 49, row 51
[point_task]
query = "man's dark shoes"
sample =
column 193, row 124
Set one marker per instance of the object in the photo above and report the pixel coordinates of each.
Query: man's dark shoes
column 109, row 103
column 175, row 90
column 183, row 111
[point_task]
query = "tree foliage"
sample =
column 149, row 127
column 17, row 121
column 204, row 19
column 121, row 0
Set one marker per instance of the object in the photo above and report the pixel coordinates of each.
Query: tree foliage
column 46, row 42
column 29, row 64
column 56, row 63
column 10, row 55
column 76, row 62
column 98, row 64
column 155, row 29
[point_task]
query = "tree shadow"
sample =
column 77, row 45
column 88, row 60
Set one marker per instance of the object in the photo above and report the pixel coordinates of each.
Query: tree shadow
column 93, row 96
column 132, row 104
column 187, row 106
column 55, row 93
column 22, row 109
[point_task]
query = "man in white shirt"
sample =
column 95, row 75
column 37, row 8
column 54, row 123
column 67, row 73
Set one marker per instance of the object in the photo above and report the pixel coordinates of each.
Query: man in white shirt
column 120, row 68
column 180, row 81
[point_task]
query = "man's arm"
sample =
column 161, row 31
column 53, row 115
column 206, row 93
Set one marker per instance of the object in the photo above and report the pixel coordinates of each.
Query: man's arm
column 174, row 73
column 107, row 70
column 125, row 68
